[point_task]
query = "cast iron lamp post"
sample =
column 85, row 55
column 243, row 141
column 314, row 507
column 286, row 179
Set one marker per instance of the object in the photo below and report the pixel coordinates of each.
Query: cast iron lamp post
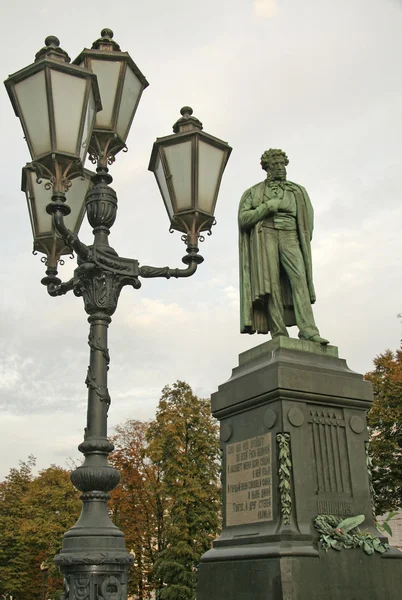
column 66, row 111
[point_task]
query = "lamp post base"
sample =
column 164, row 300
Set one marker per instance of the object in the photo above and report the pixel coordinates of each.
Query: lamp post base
column 95, row 582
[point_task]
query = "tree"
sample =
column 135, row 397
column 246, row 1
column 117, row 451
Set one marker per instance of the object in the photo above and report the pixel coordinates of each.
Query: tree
column 34, row 514
column 184, row 445
column 15, row 561
column 136, row 504
column 385, row 425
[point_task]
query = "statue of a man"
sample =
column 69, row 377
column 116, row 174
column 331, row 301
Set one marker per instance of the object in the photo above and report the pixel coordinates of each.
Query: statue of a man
column 276, row 226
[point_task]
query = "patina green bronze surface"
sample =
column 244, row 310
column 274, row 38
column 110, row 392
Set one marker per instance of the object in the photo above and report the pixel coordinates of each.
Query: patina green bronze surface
column 276, row 227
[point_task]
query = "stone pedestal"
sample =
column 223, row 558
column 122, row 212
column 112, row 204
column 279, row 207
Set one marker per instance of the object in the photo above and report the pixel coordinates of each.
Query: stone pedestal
column 293, row 438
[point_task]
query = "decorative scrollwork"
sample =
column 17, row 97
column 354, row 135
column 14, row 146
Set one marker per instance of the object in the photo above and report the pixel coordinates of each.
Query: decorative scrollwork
column 96, row 344
column 369, row 464
column 104, row 148
column 58, row 178
column 285, row 467
column 111, row 589
column 100, row 390
column 46, row 260
column 81, row 588
column 93, row 558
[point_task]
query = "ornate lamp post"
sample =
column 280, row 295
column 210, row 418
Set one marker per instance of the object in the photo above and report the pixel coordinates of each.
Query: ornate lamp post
column 67, row 121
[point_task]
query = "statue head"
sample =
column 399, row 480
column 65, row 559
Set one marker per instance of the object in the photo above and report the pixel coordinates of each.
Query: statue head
column 274, row 162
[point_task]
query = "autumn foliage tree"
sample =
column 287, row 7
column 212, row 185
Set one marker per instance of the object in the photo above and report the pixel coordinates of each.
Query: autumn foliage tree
column 183, row 444
column 168, row 500
column 385, row 423
column 136, row 505
column 167, row 504
column 35, row 511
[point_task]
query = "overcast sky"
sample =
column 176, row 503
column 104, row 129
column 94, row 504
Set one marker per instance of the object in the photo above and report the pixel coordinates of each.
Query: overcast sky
column 318, row 78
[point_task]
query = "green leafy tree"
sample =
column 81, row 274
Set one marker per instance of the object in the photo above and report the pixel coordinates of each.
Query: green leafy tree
column 184, row 445
column 34, row 514
column 385, row 424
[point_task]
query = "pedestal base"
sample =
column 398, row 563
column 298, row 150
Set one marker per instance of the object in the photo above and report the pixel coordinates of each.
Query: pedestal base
column 345, row 575
column 294, row 442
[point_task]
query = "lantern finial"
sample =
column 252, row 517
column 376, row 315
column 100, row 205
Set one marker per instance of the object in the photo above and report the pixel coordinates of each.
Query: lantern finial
column 187, row 122
column 106, row 41
column 52, row 50
column 107, row 33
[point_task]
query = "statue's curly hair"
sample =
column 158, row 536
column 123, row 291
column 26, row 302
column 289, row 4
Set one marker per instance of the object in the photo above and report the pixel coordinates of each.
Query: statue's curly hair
column 269, row 155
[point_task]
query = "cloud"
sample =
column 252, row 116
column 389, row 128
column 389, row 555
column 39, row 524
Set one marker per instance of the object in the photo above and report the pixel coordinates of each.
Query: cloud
column 265, row 9
column 155, row 313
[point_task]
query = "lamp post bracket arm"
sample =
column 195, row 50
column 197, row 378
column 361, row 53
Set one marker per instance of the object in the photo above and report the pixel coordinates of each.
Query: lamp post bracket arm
column 61, row 288
column 148, row 271
column 71, row 239
column 127, row 267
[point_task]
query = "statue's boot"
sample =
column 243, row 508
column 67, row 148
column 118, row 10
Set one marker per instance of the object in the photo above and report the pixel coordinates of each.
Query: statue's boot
column 318, row 340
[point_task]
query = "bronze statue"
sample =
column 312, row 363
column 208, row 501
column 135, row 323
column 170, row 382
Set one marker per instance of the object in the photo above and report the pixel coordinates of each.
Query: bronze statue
column 275, row 230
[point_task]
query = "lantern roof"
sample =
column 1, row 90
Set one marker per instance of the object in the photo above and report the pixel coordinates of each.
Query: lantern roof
column 107, row 48
column 53, row 56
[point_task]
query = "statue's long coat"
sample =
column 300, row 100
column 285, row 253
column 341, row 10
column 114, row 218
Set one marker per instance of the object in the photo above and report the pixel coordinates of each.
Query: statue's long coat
column 255, row 282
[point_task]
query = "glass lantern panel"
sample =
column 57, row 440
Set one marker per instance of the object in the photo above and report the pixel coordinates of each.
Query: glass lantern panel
column 131, row 93
column 107, row 72
column 161, row 179
column 32, row 99
column 39, row 197
column 76, row 199
column 179, row 161
column 68, row 93
column 210, row 161
column 88, row 126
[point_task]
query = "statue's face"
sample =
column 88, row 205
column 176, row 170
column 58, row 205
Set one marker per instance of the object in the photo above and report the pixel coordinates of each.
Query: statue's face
column 277, row 168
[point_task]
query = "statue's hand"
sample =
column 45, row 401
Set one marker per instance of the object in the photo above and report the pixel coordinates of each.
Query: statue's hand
column 273, row 205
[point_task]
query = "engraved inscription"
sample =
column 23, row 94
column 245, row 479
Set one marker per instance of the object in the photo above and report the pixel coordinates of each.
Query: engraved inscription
column 249, row 480
column 333, row 507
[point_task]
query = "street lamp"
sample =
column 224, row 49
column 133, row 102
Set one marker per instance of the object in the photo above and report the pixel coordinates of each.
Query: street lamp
column 58, row 124
column 188, row 166
column 121, row 84
column 46, row 239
